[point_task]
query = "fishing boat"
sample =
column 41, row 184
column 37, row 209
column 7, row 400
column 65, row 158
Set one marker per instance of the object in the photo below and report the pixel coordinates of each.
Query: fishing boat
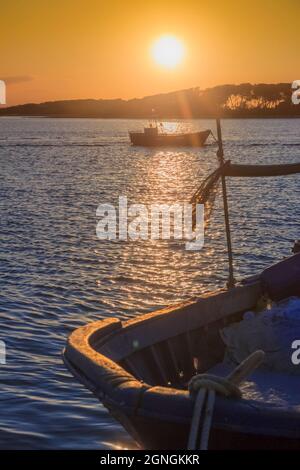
column 155, row 137
column 141, row 369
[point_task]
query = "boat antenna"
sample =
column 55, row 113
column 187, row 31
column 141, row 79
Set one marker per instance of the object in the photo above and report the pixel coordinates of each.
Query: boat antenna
column 220, row 155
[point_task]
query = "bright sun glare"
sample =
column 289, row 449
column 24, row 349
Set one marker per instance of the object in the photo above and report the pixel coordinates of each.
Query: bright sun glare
column 168, row 51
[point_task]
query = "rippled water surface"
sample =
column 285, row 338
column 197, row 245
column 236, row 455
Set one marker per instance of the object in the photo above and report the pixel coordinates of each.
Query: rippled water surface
column 56, row 275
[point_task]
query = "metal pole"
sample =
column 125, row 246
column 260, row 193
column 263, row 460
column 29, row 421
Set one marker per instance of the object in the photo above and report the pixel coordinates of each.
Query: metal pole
column 220, row 155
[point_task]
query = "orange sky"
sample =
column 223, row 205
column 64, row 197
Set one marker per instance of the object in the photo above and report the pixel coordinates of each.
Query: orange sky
column 101, row 49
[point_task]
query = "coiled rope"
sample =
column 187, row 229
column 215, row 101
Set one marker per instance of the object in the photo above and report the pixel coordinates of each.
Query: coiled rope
column 203, row 387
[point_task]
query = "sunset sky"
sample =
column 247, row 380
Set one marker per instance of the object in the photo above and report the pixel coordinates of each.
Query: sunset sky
column 103, row 49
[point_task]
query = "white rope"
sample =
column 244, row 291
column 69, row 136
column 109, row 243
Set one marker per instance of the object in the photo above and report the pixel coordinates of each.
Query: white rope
column 210, row 404
column 199, row 402
column 205, row 386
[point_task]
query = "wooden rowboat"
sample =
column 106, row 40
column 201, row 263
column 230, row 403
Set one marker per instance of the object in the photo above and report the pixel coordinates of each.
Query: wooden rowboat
column 139, row 369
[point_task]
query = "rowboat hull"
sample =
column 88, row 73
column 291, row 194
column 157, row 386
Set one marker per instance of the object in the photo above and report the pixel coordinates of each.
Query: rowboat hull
column 195, row 139
column 139, row 369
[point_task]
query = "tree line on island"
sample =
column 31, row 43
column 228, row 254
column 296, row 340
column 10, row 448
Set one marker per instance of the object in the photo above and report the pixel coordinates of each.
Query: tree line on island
column 228, row 101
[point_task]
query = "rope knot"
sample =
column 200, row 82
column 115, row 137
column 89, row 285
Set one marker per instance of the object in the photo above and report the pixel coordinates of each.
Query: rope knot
column 220, row 385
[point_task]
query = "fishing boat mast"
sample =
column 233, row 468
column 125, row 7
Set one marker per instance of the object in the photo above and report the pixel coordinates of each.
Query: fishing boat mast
column 220, row 155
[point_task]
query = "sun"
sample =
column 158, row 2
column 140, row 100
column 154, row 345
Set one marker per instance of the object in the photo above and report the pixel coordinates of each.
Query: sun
column 168, row 51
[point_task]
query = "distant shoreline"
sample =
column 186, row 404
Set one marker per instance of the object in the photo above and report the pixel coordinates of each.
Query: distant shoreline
column 244, row 101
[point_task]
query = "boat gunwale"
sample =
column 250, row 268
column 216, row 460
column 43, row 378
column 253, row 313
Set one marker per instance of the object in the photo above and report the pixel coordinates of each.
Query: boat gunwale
column 101, row 332
column 82, row 341
column 186, row 313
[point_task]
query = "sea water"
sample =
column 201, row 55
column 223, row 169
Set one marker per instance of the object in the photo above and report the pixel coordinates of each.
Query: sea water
column 56, row 275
